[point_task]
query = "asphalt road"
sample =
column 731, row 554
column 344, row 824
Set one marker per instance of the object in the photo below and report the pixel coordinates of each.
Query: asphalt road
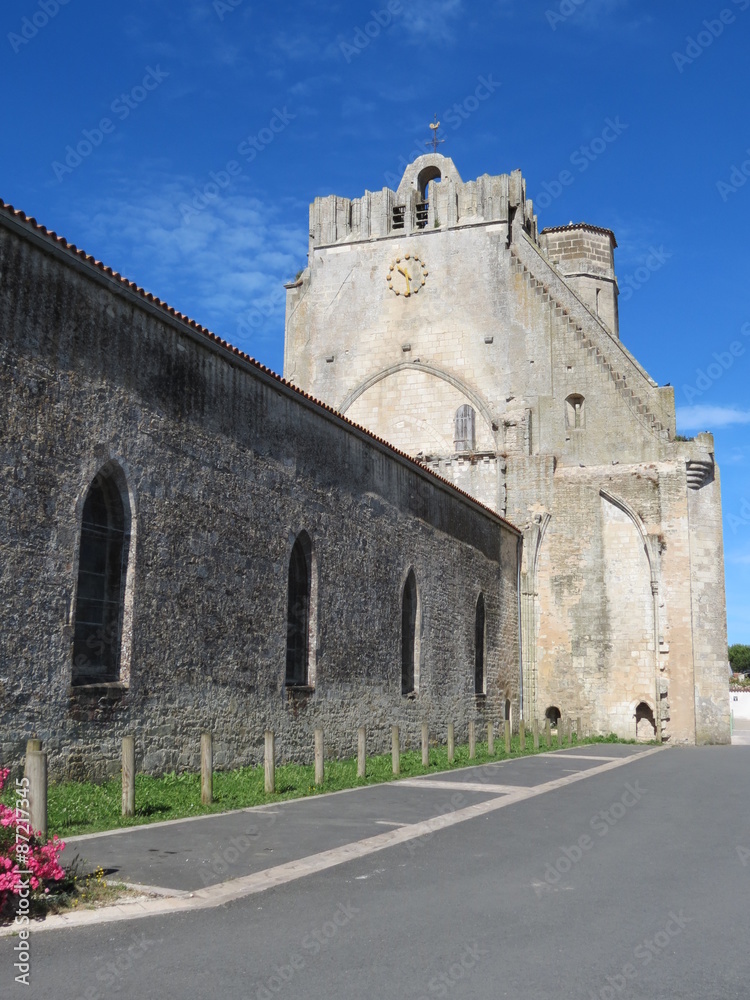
column 633, row 882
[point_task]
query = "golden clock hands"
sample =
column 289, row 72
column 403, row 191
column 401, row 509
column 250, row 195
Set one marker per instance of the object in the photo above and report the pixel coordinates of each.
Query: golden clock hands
column 404, row 271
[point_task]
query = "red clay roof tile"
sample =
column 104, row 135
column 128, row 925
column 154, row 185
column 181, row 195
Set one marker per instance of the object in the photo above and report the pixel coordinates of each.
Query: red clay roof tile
column 150, row 297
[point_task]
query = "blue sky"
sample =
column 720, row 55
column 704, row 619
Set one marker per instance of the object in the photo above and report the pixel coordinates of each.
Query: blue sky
column 204, row 129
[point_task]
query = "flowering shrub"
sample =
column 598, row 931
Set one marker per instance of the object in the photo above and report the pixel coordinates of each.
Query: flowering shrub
column 22, row 852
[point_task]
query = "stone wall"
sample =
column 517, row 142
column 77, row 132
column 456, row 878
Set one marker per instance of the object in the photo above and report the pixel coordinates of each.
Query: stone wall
column 622, row 586
column 223, row 465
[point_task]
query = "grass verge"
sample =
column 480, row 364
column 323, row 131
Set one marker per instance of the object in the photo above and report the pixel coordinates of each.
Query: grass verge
column 82, row 807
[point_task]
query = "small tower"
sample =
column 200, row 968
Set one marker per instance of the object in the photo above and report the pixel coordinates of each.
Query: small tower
column 584, row 255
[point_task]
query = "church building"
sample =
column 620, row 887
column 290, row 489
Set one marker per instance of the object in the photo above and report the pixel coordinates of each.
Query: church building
column 464, row 502
column 439, row 317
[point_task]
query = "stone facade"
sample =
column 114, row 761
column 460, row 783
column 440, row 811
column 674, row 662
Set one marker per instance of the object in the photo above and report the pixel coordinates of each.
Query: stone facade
column 441, row 304
column 219, row 467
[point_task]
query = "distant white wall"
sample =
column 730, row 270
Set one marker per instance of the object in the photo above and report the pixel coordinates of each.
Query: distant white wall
column 739, row 704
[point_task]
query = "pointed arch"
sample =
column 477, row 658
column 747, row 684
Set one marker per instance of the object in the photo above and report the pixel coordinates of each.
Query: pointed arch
column 479, row 404
column 649, row 604
column 648, row 541
column 410, row 628
column 480, row 678
column 102, row 607
column 300, row 619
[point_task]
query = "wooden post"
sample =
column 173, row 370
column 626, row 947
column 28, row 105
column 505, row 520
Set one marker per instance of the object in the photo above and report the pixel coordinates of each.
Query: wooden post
column 269, row 763
column 395, row 751
column 361, row 752
column 547, row 733
column 318, row 756
column 31, row 746
column 425, row 745
column 490, row 739
column 472, row 742
column 128, row 776
column 507, row 735
column 535, row 730
column 560, row 732
column 579, row 733
column 522, row 735
column 569, row 731
column 207, row 769
column 36, row 772
column 451, row 742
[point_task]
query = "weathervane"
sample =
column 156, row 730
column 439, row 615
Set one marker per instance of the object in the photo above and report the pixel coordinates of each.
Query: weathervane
column 434, row 141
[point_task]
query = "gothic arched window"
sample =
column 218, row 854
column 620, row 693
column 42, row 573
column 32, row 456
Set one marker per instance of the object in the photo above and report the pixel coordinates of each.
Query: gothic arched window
column 408, row 634
column 298, row 613
column 479, row 678
column 100, row 593
column 464, row 435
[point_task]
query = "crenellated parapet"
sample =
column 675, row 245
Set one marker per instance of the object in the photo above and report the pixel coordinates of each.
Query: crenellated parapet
column 431, row 195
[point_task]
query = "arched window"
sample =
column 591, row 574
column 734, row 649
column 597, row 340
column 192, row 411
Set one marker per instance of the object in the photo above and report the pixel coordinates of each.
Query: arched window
column 298, row 613
column 409, row 634
column 553, row 714
column 431, row 173
column 479, row 687
column 102, row 571
column 464, row 435
column 574, row 411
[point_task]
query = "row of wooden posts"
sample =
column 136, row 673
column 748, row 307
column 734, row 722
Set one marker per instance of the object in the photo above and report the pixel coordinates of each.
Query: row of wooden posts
column 36, row 760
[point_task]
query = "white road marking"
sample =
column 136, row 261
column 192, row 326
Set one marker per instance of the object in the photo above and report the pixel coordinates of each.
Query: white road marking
column 227, row 892
column 464, row 786
column 586, row 756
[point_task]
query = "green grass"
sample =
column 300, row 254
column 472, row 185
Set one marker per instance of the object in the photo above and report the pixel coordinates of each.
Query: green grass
column 82, row 807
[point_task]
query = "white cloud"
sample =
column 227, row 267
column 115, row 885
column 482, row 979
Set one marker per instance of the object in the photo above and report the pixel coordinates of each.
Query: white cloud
column 224, row 266
column 703, row 418
column 308, row 86
column 301, row 45
column 354, row 107
column 433, row 23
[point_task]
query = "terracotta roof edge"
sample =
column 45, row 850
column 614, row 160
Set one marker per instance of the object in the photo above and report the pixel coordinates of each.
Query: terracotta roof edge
column 60, row 243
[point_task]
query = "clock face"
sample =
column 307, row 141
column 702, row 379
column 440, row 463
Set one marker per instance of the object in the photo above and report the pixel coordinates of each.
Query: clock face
column 406, row 275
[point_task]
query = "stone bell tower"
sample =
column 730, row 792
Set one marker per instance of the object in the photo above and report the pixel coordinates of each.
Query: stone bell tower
column 439, row 317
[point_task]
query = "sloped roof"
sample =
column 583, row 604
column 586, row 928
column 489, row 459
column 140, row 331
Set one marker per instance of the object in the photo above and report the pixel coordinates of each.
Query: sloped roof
column 581, row 225
column 60, row 243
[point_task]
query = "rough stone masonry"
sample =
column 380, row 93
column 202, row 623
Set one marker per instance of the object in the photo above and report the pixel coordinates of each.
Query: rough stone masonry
column 439, row 317
column 189, row 543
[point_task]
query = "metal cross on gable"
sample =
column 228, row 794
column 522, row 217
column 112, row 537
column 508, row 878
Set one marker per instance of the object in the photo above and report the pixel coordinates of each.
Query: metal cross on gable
column 434, row 141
